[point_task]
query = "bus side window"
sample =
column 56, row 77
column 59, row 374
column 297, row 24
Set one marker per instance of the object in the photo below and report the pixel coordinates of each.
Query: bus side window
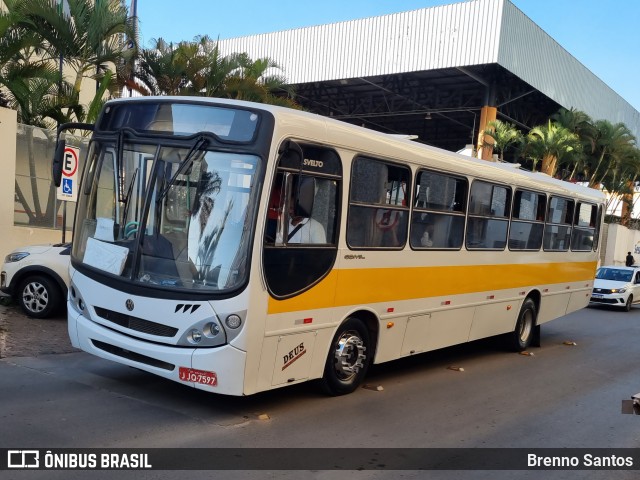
column 557, row 233
column 584, row 227
column 488, row 216
column 378, row 207
column 439, row 208
column 527, row 220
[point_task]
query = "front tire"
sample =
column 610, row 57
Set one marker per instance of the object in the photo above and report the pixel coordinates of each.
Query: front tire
column 348, row 359
column 39, row 296
column 627, row 306
column 522, row 335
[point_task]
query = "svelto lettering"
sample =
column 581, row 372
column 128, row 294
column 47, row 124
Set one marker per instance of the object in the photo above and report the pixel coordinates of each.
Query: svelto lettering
column 313, row 163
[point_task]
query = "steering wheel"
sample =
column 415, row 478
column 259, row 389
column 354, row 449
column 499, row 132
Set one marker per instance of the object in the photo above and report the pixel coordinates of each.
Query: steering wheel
column 130, row 229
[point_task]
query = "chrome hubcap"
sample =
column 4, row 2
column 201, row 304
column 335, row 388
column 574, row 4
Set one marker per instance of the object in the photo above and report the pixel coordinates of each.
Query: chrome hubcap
column 35, row 297
column 349, row 355
column 526, row 325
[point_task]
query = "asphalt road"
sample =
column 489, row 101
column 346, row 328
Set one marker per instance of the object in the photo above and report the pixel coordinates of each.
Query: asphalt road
column 564, row 396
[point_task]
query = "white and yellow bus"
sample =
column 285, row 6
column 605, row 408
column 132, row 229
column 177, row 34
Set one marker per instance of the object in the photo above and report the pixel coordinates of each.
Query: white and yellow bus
column 238, row 247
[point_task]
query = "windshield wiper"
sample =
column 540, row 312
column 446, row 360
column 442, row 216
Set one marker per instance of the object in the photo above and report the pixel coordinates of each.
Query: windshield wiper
column 188, row 160
column 128, row 197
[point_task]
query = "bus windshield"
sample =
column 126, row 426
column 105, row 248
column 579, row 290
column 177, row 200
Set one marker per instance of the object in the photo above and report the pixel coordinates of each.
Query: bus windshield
column 174, row 217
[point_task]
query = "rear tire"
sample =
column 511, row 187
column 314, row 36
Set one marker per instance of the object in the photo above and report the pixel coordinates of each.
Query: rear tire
column 348, row 359
column 39, row 296
column 521, row 337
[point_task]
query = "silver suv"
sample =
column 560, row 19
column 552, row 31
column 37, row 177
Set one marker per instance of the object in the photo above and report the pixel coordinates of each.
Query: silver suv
column 37, row 277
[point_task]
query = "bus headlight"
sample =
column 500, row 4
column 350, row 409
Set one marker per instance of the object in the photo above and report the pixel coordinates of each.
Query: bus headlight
column 194, row 336
column 211, row 330
column 208, row 332
column 75, row 299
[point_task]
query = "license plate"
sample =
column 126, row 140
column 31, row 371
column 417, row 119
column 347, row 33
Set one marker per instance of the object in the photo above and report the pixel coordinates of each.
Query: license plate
column 595, row 295
column 198, row 376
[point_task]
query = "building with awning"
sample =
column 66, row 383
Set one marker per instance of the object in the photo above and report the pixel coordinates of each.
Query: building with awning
column 438, row 73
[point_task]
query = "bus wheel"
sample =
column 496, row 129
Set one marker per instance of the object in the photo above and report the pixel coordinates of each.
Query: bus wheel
column 348, row 358
column 522, row 335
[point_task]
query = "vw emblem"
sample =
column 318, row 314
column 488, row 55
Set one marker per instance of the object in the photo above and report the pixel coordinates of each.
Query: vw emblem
column 129, row 304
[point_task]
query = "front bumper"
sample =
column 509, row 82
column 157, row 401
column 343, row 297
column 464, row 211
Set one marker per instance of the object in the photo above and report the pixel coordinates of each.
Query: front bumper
column 615, row 300
column 227, row 362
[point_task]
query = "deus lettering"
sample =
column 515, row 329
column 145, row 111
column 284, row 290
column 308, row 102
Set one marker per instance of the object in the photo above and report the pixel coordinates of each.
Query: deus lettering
column 293, row 355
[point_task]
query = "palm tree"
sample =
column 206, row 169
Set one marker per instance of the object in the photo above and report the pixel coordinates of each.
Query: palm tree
column 610, row 146
column 89, row 37
column 549, row 143
column 503, row 135
column 581, row 124
column 198, row 68
column 31, row 87
column 255, row 81
column 161, row 69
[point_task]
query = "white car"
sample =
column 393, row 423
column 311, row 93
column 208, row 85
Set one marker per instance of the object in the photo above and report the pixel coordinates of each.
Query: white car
column 37, row 278
column 616, row 286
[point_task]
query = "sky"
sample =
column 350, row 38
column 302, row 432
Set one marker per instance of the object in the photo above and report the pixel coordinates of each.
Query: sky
column 603, row 36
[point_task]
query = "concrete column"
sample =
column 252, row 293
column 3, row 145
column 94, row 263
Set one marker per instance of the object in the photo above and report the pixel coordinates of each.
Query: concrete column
column 487, row 114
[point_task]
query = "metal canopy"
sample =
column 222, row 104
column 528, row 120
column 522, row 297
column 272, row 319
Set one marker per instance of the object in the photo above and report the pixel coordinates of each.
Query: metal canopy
column 441, row 107
column 428, row 72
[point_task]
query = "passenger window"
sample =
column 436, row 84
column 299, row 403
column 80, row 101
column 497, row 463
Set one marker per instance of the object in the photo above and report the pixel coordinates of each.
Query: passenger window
column 596, row 235
column 438, row 214
column 527, row 221
column 489, row 206
column 557, row 232
column 378, row 208
column 582, row 239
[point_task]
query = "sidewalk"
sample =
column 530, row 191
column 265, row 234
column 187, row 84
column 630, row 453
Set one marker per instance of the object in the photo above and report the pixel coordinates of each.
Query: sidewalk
column 21, row 336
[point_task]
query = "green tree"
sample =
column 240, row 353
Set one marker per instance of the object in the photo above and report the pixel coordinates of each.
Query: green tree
column 161, row 69
column 504, row 135
column 197, row 68
column 550, row 143
column 89, row 36
column 612, row 143
column 581, row 124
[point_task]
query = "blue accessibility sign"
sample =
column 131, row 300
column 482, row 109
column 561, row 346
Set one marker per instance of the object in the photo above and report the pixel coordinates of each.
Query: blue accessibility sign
column 67, row 186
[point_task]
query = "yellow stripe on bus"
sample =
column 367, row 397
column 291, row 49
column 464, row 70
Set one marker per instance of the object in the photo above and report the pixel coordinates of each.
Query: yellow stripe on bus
column 373, row 285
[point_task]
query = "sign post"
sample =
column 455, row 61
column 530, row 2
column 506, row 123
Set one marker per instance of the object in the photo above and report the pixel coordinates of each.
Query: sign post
column 68, row 189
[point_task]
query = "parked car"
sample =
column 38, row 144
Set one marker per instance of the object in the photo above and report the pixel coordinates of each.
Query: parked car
column 616, row 286
column 37, row 278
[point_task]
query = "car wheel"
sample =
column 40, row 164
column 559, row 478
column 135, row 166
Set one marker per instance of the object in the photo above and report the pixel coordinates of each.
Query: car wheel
column 39, row 296
column 521, row 337
column 627, row 306
column 348, row 358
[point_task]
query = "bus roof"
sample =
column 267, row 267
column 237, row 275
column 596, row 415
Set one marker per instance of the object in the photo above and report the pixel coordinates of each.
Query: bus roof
column 313, row 127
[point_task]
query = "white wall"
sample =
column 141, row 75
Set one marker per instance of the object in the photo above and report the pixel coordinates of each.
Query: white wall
column 621, row 240
column 12, row 236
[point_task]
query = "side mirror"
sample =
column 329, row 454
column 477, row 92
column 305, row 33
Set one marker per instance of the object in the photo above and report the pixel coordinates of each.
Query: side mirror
column 56, row 167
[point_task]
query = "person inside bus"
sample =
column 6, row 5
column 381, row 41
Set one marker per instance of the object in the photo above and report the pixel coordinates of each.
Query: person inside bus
column 302, row 227
column 427, row 236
